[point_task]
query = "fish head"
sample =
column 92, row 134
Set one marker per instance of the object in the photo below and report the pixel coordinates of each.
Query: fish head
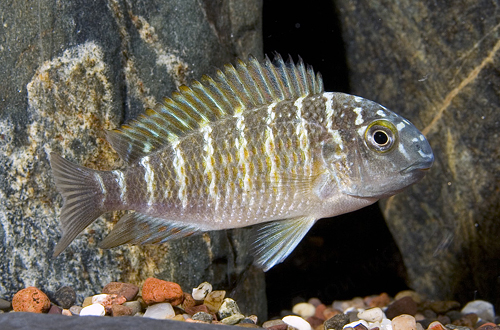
column 373, row 152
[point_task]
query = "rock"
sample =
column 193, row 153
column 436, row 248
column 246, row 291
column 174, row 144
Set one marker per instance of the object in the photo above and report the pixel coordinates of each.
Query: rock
column 65, row 297
column 304, row 310
column 314, row 321
column 4, row 304
column 108, row 300
column 381, row 300
column 251, row 318
column 405, row 305
column 454, row 315
column 436, row 326
column 93, row 310
column 372, row 315
column 75, row 310
column 489, row 326
column 443, row 306
column 467, row 320
column 232, row 319
column 121, row 310
column 297, row 322
column 404, row 322
column 55, row 310
column 66, row 312
column 202, row 316
column 105, row 65
column 214, row 300
column 160, row 311
column 127, row 290
column 275, row 325
column 187, row 301
column 135, row 306
column 31, row 300
column 315, row 301
column 330, row 312
column 319, row 311
column 337, row 322
column 409, row 293
column 228, row 308
column 156, row 291
column 196, row 309
column 87, row 301
column 201, row 291
column 461, row 250
column 481, row 308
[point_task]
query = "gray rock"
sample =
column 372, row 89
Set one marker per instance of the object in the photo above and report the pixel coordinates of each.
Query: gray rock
column 337, row 322
column 65, row 297
column 4, row 304
column 228, row 308
column 202, row 316
column 75, row 69
column 438, row 66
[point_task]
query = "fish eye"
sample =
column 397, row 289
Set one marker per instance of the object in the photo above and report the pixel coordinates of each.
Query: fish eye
column 381, row 135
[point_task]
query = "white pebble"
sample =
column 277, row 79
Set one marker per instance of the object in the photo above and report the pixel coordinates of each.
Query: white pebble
column 201, row 291
column 355, row 323
column 99, row 298
column 305, row 310
column 297, row 322
column 371, row 315
column 93, row 310
column 160, row 311
column 483, row 309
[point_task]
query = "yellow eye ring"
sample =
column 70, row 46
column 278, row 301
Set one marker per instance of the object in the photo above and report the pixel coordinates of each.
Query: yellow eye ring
column 381, row 136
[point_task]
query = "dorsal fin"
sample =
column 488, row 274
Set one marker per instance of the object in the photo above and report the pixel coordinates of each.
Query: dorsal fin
column 245, row 86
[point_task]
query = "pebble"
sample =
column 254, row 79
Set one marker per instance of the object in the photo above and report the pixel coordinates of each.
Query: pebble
column 404, row 322
column 441, row 307
column 128, row 290
column 405, row 305
column 228, row 308
column 4, row 304
column 372, row 315
column 481, row 308
column 489, row 326
column 93, row 310
column 135, row 306
column 436, row 325
column 233, row 319
column 32, row 300
column 202, row 316
column 356, row 323
column 188, row 301
column 381, row 300
column 108, row 300
column 409, row 293
column 159, row 291
column 275, row 325
column 201, row 291
column 75, row 310
column 87, row 302
column 55, row 310
column 297, row 322
column 214, row 300
column 304, row 310
column 120, row 310
column 160, row 311
column 65, row 297
column 337, row 322
column 66, row 312
column 315, row 301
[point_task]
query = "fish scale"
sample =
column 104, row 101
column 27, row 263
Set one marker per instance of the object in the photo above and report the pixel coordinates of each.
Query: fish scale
column 261, row 144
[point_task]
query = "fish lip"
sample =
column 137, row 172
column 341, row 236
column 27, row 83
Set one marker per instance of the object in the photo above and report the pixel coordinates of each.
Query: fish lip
column 419, row 166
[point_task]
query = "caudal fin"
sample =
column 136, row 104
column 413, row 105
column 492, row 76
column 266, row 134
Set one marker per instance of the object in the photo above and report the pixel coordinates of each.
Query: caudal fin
column 82, row 195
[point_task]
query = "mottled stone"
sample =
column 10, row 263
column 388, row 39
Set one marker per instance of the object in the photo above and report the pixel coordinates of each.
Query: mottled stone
column 232, row 319
column 437, row 65
column 75, row 310
column 65, row 297
column 155, row 291
column 120, row 310
column 228, row 307
column 337, row 322
column 214, row 300
column 127, row 290
column 187, row 301
column 79, row 69
column 405, row 305
column 32, row 300
column 202, row 316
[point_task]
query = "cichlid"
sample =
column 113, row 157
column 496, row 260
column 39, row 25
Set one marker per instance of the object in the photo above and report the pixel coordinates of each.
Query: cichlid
column 261, row 144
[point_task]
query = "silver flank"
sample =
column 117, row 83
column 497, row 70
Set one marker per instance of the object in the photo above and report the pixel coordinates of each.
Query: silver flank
column 180, row 173
column 120, row 180
column 149, row 177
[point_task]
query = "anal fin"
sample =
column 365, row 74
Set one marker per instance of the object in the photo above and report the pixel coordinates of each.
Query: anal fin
column 137, row 228
column 275, row 240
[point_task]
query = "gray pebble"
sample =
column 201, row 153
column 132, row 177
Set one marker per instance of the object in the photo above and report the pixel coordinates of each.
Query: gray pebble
column 134, row 305
column 233, row 319
column 337, row 322
column 202, row 316
column 75, row 310
column 65, row 297
column 4, row 304
column 228, row 308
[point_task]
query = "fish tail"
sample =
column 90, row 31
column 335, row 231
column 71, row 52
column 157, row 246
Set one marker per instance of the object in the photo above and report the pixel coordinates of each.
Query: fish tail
column 83, row 195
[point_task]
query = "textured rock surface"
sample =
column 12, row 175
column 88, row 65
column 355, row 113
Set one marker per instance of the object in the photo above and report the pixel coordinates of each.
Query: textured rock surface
column 437, row 64
column 71, row 70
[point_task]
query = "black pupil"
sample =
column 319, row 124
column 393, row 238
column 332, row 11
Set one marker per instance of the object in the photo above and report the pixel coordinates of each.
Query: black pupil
column 380, row 137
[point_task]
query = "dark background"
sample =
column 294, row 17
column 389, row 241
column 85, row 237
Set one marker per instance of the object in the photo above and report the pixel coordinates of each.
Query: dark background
column 349, row 255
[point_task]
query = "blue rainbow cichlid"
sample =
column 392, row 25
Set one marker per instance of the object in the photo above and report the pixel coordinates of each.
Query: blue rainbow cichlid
column 261, row 144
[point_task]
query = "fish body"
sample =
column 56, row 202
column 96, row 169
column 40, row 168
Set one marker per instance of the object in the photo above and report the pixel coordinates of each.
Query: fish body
column 262, row 144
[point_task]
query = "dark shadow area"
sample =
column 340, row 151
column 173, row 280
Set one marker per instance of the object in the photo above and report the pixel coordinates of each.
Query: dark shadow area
column 353, row 254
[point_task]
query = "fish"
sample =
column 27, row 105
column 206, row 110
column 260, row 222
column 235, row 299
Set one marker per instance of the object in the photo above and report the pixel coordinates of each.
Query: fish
column 261, row 144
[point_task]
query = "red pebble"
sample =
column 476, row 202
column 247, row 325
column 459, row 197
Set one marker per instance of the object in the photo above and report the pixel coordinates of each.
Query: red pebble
column 128, row 290
column 31, row 300
column 157, row 291
column 55, row 310
column 319, row 311
column 314, row 321
column 489, row 326
column 195, row 309
column 381, row 300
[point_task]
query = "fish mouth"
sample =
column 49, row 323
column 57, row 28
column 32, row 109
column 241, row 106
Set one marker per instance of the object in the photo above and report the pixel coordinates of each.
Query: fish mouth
column 420, row 166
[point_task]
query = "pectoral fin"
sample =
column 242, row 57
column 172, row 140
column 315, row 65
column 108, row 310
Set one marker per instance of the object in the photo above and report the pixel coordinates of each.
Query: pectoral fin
column 274, row 241
column 137, row 228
